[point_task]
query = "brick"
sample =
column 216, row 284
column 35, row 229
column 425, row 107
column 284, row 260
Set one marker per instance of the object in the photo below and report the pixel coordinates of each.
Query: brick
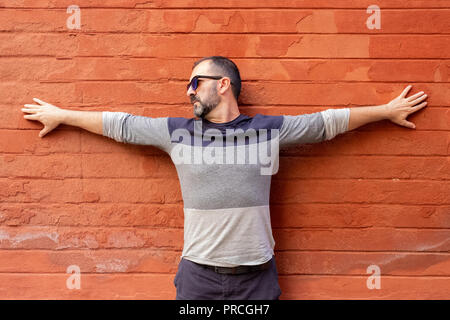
column 363, row 239
column 24, row 44
column 169, row 111
column 90, row 261
column 361, row 191
column 303, row 4
column 356, row 263
column 54, row 166
column 132, row 92
column 356, row 167
column 392, row 21
column 401, row 142
column 92, row 214
column 128, row 165
column 160, row 286
column 196, row 45
column 361, row 4
column 342, row 69
column 45, row 214
column 336, row 93
column 12, row 118
column 58, row 238
column 40, row 190
column 405, row 70
column 28, row 141
column 355, row 287
column 133, row 190
column 92, row 143
column 32, row 21
column 163, row 69
column 348, row 215
column 94, row 68
column 58, row 94
column 404, row 47
column 93, row 286
column 139, row 215
column 150, row 261
column 231, row 21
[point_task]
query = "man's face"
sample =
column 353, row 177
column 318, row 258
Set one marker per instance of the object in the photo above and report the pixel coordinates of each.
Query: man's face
column 205, row 98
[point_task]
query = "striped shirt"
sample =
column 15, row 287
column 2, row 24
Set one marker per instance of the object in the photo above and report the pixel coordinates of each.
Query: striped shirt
column 225, row 172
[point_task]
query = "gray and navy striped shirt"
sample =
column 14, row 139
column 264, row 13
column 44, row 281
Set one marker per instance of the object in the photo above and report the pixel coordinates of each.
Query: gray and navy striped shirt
column 225, row 172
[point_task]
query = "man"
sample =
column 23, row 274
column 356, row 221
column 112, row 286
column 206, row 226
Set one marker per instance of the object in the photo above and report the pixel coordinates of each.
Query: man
column 228, row 244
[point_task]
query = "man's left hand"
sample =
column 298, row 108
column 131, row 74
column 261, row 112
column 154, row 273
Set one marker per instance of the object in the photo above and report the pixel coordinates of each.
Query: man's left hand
column 401, row 107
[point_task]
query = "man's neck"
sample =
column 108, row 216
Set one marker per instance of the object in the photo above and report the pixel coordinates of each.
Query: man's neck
column 223, row 113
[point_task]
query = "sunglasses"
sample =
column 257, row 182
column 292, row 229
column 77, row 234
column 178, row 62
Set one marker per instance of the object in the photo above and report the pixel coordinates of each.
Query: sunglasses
column 194, row 81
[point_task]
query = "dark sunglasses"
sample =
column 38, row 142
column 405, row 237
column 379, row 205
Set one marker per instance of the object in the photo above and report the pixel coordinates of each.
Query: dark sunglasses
column 194, row 81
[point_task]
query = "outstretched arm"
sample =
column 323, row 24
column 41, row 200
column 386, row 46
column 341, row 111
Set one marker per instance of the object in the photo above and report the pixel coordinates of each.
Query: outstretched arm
column 51, row 117
column 120, row 126
column 396, row 111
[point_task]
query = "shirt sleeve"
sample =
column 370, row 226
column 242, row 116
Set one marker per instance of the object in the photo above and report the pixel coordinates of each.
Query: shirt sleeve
column 134, row 129
column 314, row 127
column 336, row 122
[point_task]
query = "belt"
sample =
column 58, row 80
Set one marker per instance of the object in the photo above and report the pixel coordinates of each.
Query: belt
column 238, row 269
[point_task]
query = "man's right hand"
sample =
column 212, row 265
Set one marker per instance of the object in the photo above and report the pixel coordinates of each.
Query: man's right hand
column 49, row 115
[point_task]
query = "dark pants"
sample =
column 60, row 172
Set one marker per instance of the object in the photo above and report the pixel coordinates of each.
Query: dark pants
column 194, row 282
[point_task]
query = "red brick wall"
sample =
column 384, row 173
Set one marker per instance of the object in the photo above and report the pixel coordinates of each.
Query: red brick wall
column 378, row 195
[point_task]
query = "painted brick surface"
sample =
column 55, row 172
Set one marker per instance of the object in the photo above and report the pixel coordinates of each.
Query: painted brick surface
column 378, row 195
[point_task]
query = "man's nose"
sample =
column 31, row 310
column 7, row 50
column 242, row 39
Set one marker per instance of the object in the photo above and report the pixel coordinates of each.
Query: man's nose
column 190, row 91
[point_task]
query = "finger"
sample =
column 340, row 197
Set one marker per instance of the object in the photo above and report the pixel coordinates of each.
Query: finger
column 30, row 110
column 39, row 101
column 44, row 132
column 415, row 96
column 405, row 91
column 31, row 116
column 414, row 102
column 418, row 107
column 32, row 105
column 409, row 124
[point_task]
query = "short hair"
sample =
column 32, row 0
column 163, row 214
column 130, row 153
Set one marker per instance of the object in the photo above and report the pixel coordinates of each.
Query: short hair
column 228, row 69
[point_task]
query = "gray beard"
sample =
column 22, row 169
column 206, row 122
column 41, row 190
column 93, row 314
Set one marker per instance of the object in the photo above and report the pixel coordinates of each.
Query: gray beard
column 202, row 110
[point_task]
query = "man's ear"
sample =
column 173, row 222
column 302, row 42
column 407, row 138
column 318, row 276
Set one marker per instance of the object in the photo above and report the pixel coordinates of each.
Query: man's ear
column 224, row 84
